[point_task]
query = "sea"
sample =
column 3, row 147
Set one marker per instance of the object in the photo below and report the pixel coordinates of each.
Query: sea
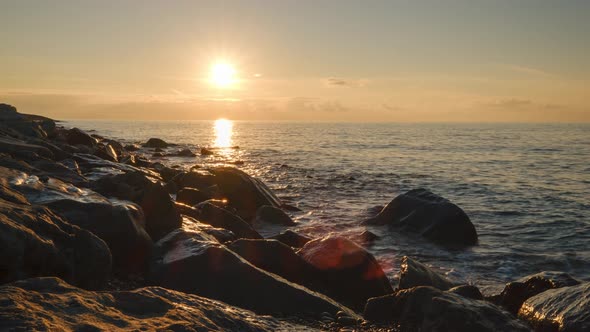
column 525, row 187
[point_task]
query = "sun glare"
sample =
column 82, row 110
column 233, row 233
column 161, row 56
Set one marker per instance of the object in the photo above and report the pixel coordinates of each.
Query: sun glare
column 223, row 129
column 223, row 74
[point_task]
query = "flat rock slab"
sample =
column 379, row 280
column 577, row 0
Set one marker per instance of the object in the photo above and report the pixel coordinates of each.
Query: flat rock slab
column 51, row 304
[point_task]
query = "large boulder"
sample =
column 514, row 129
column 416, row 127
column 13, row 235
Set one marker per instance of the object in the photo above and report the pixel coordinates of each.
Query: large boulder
column 291, row 238
column 413, row 273
column 515, row 293
column 156, row 143
column 36, row 242
column 9, row 113
column 50, row 304
column 192, row 196
column 273, row 215
column 216, row 216
column 278, row 258
column 76, row 136
column 426, row 308
column 160, row 211
column 243, row 192
column 121, row 226
column 564, row 309
column 432, row 216
column 195, row 263
column 350, row 274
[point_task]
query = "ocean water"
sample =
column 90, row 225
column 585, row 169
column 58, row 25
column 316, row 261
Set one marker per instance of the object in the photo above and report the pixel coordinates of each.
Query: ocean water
column 526, row 187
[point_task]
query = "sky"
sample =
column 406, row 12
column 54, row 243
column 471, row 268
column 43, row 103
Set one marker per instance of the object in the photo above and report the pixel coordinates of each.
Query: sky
column 368, row 61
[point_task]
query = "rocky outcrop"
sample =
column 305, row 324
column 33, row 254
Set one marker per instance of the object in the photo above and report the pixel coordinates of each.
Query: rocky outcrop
column 36, row 242
column 350, row 274
column 414, row 273
column 156, row 143
column 192, row 196
column 50, row 304
column 564, row 309
column 76, row 136
column 273, row 215
column 195, row 263
column 432, row 216
column 291, row 238
column 429, row 309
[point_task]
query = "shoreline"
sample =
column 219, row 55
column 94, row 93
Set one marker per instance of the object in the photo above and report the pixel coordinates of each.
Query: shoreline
column 99, row 190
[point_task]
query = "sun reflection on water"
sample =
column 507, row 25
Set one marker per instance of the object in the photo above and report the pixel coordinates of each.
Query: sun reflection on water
column 223, row 129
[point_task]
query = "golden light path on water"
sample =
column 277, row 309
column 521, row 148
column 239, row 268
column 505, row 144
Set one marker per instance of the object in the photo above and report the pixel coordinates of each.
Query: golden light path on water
column 223, row 130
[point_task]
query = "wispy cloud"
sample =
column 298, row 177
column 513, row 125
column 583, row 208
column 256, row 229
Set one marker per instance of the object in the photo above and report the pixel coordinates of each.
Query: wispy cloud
column 345, row 82
column 526, row 70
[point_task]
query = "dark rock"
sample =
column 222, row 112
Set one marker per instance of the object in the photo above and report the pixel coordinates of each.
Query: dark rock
column 156, row 143
column 185, row 153
column 12, row 146
column 191, row 263
column 468, row 291
column 562, row 309
column 515, row 293
column 273, row 215
column 206, row 152
column 158, row 150
column 165, row 172
column 414, row 273
column 60, row 171
column 120, row 226
column 278, row 258
column 426, row 308
column 291, row 238
column 191, row 196
column 220, row 234
column 366, row 238
column 434, row 217
column 350, row 274
column 76, row 136
column 107, row 152
column 36, row 242
column 160, row 212
column 49, row 304
column 9, row 113
column 219, row 217
column 158, row 155
column 132, row 147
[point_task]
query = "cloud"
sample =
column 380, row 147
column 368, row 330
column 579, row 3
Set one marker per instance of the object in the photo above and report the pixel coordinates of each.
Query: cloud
column 517, row 104
column 314, row 105
column 526, row 70
column 511, row 103
column 392, row 108
column 346, row 83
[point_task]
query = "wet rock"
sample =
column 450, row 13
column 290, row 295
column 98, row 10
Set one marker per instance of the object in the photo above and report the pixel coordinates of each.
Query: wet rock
column 156, row 143
column 563, row 309
column 12, row 146
column 350, row 274
column 60, row 171
column 107, row 152
column 291, row 238
column 167, row 173
column 414, row 273
column 273, row 215
column 426, row 308
column 206, row 152
column 36, row 242
column 120, row 226
column 278, row 258
column 220, row 234
column 196, row 179
column 366, row 238
column 191, row 196
column 47, row 304
column 76, row 136
column 432, row 216
column 515, row 293
column 185, row 153
column 158, row 150
column 160, row 212
column 132, row 147
column 468, row 291
column 190, row 263
column 211, row 214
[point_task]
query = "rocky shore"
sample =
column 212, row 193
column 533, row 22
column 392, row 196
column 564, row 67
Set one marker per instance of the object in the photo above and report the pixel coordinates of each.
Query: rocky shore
column 94, row 235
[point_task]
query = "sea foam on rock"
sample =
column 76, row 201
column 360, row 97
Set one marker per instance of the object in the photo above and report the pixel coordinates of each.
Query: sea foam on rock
column 432, row 216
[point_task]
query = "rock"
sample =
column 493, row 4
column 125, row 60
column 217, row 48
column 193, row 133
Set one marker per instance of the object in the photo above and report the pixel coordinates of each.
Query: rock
column 206, row 152
column 273, row 215
column 426, row 308
column 156, row 143
column 291, row 238
column 107, row 152
column 158, row 150
column 366, row 238
column 189, row 262
column 278, row 258
column 132, row 147
column 350, row 274
column 36, row 242
column 12, row 146
column 562, row 309
column 185, row 153
column 60, row 171
column 9, row 113
column 50, row 304
column 120, row 226
column 434, row 217
column 220, row 234
column 191, row 196
column 76, row 136
column 160, row 211
column 515, row 293
column 468, row 291
column 216, row 216
column 414, row 273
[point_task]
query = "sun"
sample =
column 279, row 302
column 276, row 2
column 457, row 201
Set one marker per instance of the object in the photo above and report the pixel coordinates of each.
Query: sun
column 223, row 74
